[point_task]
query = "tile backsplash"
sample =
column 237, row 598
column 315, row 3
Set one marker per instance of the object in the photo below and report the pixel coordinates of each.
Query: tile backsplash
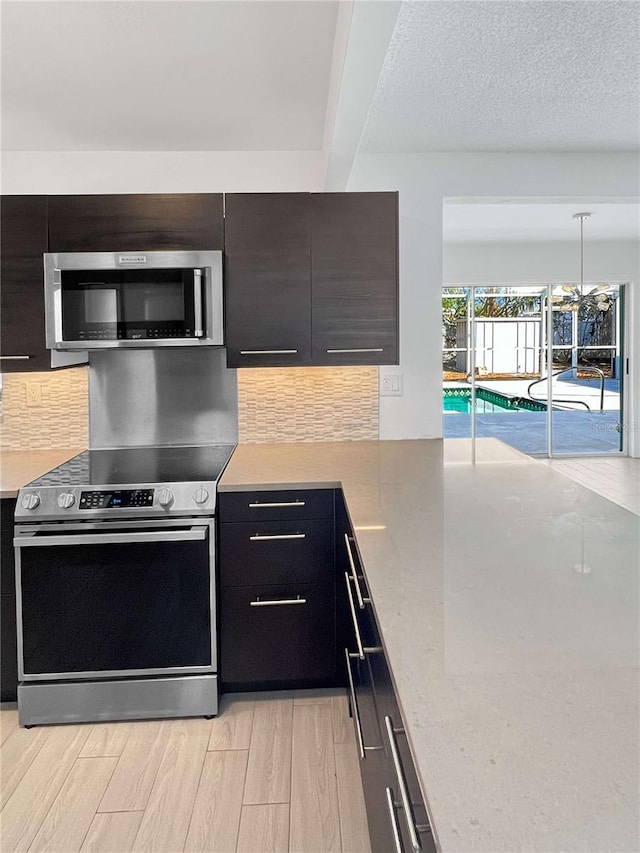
column 45, row 410
column 308, row 404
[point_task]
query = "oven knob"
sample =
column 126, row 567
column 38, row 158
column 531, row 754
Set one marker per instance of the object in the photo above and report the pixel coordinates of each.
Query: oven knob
column 66, row 500
column 201, row 496
column 165, row 497
column 30, row 501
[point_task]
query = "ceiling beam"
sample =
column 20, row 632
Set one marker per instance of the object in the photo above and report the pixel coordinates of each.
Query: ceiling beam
column 370, row 26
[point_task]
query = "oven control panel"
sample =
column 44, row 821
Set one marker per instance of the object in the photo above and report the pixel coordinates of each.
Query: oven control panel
column 115, row 498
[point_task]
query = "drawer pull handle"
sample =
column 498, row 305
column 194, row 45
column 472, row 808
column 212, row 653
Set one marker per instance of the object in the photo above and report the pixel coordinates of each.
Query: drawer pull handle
column 402, row 785
column 268, row 351
column 356, row 349
column 14, row 357
column 362, row 749
column 393, row 818
column 258, row 505
column 352, row 564
column 274, row 602
column 356, row 627
column 259, row 537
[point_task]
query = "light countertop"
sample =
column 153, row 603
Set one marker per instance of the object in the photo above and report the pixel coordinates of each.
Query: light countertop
column 508, row 601
column 19, row 467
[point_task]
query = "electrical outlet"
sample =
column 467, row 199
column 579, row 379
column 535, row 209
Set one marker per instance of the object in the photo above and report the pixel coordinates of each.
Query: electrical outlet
column 391, row 385
column 34, row 394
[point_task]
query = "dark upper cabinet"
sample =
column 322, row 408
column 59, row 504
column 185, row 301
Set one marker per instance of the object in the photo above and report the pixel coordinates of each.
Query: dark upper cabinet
column 23, row 227
column 311, row 279
column 135, row 223
column 354, row 278
column 267, row 279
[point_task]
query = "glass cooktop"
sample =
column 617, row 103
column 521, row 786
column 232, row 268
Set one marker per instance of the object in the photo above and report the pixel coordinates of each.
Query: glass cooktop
column 141, row 465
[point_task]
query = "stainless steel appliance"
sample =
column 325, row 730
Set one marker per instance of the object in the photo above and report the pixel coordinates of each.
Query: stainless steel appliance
column 115, row 586
column 95, row 300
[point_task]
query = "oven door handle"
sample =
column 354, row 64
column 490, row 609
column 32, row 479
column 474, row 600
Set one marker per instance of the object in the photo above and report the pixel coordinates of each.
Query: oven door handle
column 193, row 534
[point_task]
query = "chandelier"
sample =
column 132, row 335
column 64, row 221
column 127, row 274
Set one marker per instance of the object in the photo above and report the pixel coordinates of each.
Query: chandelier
column 571, row 297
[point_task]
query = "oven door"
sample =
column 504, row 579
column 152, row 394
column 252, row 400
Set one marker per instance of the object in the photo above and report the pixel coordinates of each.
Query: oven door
column 114, row 599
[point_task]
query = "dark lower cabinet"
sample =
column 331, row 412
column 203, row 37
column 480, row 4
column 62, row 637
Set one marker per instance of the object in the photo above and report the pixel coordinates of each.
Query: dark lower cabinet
column 136, row 223
column 277, row 634
column 397, row 823
column 9, row 656
column 277, row 608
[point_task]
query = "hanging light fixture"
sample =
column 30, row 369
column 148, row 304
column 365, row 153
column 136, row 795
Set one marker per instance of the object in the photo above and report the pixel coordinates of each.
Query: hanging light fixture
column 572, row 296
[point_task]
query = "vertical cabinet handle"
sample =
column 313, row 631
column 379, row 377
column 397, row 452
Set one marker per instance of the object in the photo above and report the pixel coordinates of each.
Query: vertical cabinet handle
column 354, row 706
column 353, row 572
column 402, row 785
column 356, row 627
column 393, row 818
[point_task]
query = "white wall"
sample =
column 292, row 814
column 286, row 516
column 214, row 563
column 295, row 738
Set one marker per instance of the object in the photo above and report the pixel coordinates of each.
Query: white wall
column 424, row 181
column 66, row 172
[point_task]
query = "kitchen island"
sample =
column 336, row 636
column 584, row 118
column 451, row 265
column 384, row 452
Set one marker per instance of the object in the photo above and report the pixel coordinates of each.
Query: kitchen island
column 507, row 599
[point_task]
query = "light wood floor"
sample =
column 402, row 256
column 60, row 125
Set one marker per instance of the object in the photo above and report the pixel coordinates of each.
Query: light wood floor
column 616, row 479
column 273, row 772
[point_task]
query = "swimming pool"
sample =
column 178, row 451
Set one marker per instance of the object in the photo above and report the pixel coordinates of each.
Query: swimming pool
column 487, row 402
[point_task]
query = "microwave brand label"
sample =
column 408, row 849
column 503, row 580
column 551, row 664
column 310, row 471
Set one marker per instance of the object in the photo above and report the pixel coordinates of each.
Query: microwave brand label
column 132, row 259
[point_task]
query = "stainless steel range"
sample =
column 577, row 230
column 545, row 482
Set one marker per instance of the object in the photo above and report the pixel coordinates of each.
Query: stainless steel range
column 115, row 573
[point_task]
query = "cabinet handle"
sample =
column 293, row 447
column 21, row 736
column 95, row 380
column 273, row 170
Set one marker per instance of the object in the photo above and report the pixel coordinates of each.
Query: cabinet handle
column 356, row 628
column 402, row 785
column 354, row 705
column 361, row 600
column 273, row 602
column 356, row 349
column 393, row 818
column 270, row 505
column 262, row 538
column 14, row 357
column 268, row 351
column 362, row 749
column 197, row 304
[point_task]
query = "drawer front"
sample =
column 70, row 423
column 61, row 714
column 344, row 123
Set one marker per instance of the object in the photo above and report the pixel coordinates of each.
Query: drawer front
column 387, row 708
column 265, row 638
column 287, row 505
column 276, row 552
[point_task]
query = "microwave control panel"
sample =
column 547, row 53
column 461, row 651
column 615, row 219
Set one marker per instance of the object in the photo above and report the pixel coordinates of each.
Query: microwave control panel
column 115, row 498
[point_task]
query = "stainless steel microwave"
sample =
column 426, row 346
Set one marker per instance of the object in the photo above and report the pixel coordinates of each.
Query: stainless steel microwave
column 95, row 300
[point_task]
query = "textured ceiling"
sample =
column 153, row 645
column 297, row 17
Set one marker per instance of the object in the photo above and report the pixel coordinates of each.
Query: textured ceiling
column 525, row 75
column 515, row 221
column 181, row 75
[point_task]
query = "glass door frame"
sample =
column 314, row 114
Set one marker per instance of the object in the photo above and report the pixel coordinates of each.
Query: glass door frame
column 622, row 321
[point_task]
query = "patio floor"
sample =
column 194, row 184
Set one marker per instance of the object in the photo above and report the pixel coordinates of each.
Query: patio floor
column 573, row 432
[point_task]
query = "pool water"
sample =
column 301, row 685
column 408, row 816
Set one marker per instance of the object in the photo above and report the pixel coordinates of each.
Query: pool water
column 487, row 402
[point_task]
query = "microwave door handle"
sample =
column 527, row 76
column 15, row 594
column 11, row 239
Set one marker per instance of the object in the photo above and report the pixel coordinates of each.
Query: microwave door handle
column 197, row 304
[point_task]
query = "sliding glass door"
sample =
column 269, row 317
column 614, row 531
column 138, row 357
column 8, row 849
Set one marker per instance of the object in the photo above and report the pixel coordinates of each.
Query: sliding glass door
column 537, row 366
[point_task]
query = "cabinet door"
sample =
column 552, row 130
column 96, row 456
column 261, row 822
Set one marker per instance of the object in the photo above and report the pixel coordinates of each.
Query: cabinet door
column 135, row 223
column 24, row 240
column 277, row 635
column 267, row 279
column 354, row 278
